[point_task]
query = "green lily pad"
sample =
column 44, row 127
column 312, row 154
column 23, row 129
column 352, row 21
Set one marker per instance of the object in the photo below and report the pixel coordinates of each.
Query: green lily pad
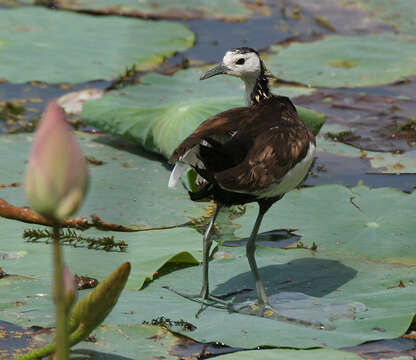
column 363, row 256
column 232, row 10
column 400, row 13
column 317, row 288
column 360, row 226
column 63, row 52
column 30, row 281
column 161, row 110
column 341, row 61
column 364, row 260
column 126, row 189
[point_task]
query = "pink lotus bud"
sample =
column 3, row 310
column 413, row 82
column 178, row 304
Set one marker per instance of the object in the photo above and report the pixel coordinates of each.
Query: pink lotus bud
column 57, row 174
column 70, row 289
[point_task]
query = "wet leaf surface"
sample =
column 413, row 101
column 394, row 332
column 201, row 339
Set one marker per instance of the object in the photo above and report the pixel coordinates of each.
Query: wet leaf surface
column 381, row 162
column 371, row 122
column 331, row 168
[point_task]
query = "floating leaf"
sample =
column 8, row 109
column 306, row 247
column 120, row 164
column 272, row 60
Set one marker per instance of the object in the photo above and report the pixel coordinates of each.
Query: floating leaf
column 351, row 297
column 360, row 225
column 232, row 10
column 63, row 53
column 363, row 255
column 400, row 13
column 341, row 61
column 161, row 111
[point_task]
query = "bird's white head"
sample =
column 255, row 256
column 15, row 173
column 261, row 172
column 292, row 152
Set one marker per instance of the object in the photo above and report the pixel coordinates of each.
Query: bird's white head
column 241, row 62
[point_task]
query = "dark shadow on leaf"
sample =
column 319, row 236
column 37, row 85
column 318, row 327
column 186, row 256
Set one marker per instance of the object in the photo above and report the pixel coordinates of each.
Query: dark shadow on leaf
column 124, row 144
column 310, row 276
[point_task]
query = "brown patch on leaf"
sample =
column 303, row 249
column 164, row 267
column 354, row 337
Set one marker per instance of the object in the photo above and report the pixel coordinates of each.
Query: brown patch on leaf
column 15, row 184
column 85, row 282
column 398, row 166
column 91, row 160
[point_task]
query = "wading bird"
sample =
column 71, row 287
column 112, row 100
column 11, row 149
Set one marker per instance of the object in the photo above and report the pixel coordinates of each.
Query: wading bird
column 248, row 154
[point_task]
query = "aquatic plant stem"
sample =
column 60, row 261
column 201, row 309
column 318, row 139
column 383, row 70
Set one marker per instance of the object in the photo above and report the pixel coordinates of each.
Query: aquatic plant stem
column 62, row 341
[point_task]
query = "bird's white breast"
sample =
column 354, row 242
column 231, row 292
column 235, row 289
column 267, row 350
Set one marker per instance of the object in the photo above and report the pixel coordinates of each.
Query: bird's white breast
column 292, row 178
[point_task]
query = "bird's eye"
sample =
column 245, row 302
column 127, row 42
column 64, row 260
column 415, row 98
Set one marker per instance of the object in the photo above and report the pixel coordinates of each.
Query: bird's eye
column 240, row 61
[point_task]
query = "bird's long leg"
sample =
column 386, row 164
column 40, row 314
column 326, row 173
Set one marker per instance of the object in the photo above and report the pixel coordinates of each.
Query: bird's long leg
column 206, row 246
column 250, row 252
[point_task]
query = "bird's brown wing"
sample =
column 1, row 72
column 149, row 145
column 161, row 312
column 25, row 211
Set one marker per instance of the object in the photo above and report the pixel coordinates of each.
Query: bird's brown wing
column 273, row 153
column 220, row 126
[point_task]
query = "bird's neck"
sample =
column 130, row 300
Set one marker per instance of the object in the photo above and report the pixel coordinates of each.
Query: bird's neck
column 257, row 89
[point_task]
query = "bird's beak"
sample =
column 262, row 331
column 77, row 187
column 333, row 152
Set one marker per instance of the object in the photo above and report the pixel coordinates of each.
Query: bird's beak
column 216, row 70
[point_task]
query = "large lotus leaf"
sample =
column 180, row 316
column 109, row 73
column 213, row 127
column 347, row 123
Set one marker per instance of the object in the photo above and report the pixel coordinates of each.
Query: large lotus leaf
column 365, row 259
column 361, row 225
column 333, row 281
column 126, row 189
column 30, row 265
column 341, row 61
column 60, row 46
column 228, row 10
column 161, row 111
column 400, row 13
column 320, row 290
